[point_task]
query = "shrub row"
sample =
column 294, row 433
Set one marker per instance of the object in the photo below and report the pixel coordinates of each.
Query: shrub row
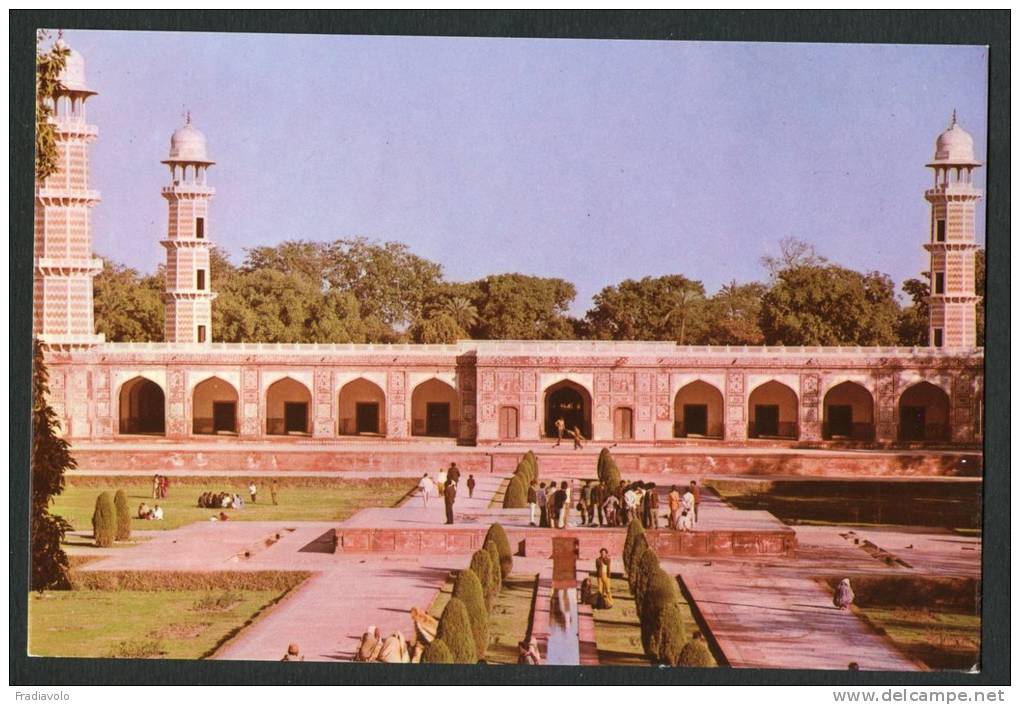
column 516, row 496
column 657, row 597
column 111, row 519
column 608, row 473
column 463, row 633
column 152, row 581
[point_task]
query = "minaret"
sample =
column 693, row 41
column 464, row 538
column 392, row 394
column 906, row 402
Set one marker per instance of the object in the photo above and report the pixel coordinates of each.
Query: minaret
column 63, row 315
column 188, row 292
column 952, row 304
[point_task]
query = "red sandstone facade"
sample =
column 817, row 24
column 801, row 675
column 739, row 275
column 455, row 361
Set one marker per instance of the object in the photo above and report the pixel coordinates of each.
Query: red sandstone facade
column 477, row 392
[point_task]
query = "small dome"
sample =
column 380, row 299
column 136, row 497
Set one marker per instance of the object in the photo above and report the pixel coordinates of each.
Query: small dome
column 72, row 77
column 188, row 145
column 955, row 145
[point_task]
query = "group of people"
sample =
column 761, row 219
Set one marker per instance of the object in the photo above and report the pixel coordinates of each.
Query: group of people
column 395, row 648
column 575, row 433
column 150, row 513
column 160, row 486
column 220, row 500
column 550, row 504
column 445, row 486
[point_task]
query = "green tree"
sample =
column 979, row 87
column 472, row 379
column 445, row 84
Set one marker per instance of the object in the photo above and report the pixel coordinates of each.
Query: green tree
column 437, row 327
column 912, row 323
column 522, row 307
column 49, row 63
column 731, row 315
column 979, row 288
column 128, row 307
column 51, row 458
column 829, row 305
column 793, row 253
column 462, row 310
column 653, row 308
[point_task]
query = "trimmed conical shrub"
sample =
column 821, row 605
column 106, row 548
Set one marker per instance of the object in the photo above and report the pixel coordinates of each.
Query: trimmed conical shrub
column 695, row 654
column 481, row 564
column 663, row 635
column 646, row 566
column 468, row 589
column 533, row 461
column 638, row 546
column 497, row 535
column 516, row 496
column 437, row 652
column 603, row 465
column 104, row 520
column 120, row 505
column 497, row 572
column 455, row 631
column 660, row 590
column 634, row 529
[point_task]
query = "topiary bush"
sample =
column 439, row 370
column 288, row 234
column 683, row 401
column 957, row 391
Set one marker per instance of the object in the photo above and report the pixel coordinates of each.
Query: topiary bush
column 468, row 589
column 497, row 570
column 695, row 654
column 634, row 529
column 602, row 465
column 437, row 652
column 516, row 496
column 660, row 590
column 481, row 564
column 663, row 635
column 104, row 521
column 646, row 566
column 455, row 631
column 497, row 535
column 533, row 462
column 120, row 505
column 639, row 546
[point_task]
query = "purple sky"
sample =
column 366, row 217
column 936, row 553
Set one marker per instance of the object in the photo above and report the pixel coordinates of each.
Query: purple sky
column 594, row 161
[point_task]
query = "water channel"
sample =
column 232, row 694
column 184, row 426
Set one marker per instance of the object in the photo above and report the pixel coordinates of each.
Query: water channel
column 563, row 648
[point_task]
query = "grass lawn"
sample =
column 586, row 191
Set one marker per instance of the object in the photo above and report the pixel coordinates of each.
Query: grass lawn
column 139, row 624
column 940, row 639
column 618, row 630
column 511, row 616
column 326, row 499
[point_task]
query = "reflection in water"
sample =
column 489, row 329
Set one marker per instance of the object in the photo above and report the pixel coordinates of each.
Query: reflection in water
column 562, row 647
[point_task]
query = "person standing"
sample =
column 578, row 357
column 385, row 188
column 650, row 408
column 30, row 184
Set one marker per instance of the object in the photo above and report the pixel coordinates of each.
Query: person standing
column 164, row 486
column 471, row 486
column 652, row 498
column 453, row 474
column 586, row 511
column 687, row 511
column 844, row 595
column 696, row 491
column 449, row 497
column 441, row 481
column 674, row 508
column 542, row 500
column 274, row 492
column 598, row 496
column 564, row 504
column 252, row 490
column 576, row 433
column 561, row 427
column 426, row 487
column 602, row 570
column 155, row 486
column 532, row 502
column 631, row 503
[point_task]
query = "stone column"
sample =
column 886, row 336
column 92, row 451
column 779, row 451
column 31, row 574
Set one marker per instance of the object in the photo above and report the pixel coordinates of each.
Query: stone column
column 178, row 420
column 663, row 408
column 736, row 407
column 397, row 403
column 323, row 425
column 809, row 418
column 249, row 416
column 961, row 419
column 602, row 407
column 886, row 418
column 468, row 402
column 104, row 423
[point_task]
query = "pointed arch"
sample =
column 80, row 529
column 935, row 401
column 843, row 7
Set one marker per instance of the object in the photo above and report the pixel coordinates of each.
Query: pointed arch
column 362, row 408
column 848, row 412
column 924, row 413
column 142, row 407
column 214, row 407
column 435, row 409
column 571, row 401
column 288, row 404
column 698, row 411
column 772, row 411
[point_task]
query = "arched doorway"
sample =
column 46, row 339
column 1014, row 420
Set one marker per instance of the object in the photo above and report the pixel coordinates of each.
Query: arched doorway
column 214, row 407
column 362, row 408
column 435, row 409
column 287, row 405
column 142, row 407
column 924, row 413
column 772, row 411
column 571, row 402
column 698, row 411
column 848, row 412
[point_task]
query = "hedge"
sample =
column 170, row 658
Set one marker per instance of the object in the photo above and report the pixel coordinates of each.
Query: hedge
column 497, row 535
column 123, row 511
column 481, row 564
column 172, row 581
column 455, row 631
column 104, row 521
column 468, row 589
column 437, row 652
column 695, row 654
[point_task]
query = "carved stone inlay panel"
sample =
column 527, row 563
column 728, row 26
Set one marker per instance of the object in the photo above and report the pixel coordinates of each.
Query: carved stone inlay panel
column 603, row 413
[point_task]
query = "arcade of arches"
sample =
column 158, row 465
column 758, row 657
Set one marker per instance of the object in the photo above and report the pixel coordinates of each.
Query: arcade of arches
column 214, row 407
column 698, row 411
column 362, row 409
column 924, row 413
column 435, row 409
column 571, row 402
column 287, row 408
column 848, row 413
column 772, row 412
column 142, row 407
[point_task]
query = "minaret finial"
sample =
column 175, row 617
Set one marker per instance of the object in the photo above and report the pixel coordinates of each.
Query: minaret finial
column 187, row 117
column 953, row 123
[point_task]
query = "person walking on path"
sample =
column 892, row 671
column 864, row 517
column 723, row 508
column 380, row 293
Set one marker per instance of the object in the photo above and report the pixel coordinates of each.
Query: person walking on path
column 674, row 508
column 844, row 595
column 426, row 487
column 602, row 570
column 155, row 486
column 532, row 502
column 687, row 511
column 652, row 501
column 252, row 490
column 441, row 480
column 471, row 486
column 453, row 474
column 274, row 492
column 564, row 504
column 542, row 500
column 696, row 491
column 576, row 433
column 449, row 497
column 164, row 486
column 586, row 508
column 561, row 427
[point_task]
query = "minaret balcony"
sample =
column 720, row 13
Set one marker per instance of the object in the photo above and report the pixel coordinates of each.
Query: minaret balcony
column 186, row 190
column 68, row 265
column 58, row 196
column 184, row 243
column 951, row 246
column 72, row 128
column 955, row 191
column 188, row 294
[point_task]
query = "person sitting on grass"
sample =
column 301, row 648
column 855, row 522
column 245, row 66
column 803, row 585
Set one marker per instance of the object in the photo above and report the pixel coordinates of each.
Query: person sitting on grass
column 144, row 510
column 157, row 513
column 223, row 516
column 370, row 646
column 226, row 501
column 238, row 502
